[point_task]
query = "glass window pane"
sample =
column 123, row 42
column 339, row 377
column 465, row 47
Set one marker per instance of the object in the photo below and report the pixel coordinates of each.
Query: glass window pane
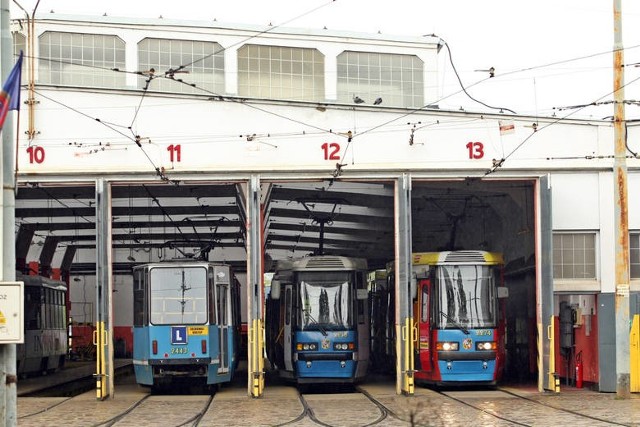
column 574, row 256
column 203, row 64
column 178, row 295
column 394, row 78
column 281, row 72
column 81, row 60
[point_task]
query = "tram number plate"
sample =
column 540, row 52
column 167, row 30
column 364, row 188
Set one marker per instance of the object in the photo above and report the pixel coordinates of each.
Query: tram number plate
column 485, row 332
column 179, row 350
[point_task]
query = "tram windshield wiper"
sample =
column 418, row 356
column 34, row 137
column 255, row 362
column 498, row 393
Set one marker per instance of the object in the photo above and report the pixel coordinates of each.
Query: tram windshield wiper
column 458, row 325
column 307, row 312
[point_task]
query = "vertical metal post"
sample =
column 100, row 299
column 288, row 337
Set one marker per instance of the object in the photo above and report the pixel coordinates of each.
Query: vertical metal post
column 404, row 319
column 547, row 375
column 104, row 287
column 8, row 375
column 621, row 211
column 255, row 289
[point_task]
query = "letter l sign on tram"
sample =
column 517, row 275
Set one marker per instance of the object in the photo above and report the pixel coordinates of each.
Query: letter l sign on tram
column 178, row 335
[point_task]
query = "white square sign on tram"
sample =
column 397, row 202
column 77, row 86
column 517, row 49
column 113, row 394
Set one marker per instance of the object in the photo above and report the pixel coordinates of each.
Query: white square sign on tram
column 11, row 312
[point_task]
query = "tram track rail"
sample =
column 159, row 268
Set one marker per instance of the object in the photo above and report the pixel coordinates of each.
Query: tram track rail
column 123, row 417
column 308, row 412
column 43, row 410
column 603, row 420
column 195, row 420
column 120, row 416
column 519, row 422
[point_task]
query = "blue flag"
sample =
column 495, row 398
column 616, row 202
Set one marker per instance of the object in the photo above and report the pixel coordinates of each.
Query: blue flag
column 10, row 95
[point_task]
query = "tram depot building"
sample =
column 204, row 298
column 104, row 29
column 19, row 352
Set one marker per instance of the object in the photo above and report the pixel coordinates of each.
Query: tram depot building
column 144, row 140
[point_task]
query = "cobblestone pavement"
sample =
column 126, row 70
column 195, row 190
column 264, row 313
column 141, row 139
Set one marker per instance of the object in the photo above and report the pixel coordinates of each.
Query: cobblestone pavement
column 281, row 405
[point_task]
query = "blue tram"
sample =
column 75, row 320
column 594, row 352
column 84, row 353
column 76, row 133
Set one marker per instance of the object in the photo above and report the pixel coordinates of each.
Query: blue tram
column 186, row 323
column 460, row 319
column 317, row 326
column 45, row 344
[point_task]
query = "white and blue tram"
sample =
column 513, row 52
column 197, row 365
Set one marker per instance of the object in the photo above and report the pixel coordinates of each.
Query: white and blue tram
column 317, row 322
column 45, row 344
column 186, row 323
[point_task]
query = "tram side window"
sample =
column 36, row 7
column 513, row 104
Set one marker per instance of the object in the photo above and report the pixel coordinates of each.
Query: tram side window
column 63, row 311
column 222, row 305
column 360, row 284
column 55, row 320
column 287, row 304
column 33, row 315
column 138, row 298
column 47, row 309
column 55, row 309
column 424, row 310
column 212, row 296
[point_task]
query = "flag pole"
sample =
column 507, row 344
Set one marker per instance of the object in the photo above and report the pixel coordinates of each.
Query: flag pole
column 15, row 170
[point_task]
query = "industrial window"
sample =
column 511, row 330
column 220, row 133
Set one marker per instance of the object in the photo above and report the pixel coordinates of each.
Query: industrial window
column 203, row 64
column 87, row 60
column 574, row 255
column 396, row 79
column 276, row 72
column 634, row 254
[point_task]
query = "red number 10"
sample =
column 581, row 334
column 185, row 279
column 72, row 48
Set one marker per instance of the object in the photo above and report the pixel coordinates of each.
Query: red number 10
column 36, row 154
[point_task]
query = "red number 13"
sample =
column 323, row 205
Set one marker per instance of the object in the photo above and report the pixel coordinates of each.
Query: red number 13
column 476, row 150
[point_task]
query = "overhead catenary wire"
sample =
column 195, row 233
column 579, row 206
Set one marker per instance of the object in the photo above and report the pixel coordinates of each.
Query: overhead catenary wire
column 499, row 163
column 135, row 139
column 455, row 71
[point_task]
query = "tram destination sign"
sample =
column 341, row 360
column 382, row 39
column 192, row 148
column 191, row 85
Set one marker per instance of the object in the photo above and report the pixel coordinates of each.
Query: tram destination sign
column 11, row 312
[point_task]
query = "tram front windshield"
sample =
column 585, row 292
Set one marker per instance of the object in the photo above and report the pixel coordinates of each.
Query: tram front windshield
column 467, row 297
column 325, row 301
column 178, row 295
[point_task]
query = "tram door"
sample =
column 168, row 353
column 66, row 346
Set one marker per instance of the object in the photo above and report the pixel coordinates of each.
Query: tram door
column 288, row 295
column 421, row 312
column 223, row 326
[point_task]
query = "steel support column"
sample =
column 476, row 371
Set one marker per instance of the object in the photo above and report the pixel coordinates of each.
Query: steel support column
column 405, row 330
column 255, row 360
column 102, row 336
column 547, row 377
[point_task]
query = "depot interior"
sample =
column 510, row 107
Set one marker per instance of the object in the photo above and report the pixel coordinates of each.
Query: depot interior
column 154, row 221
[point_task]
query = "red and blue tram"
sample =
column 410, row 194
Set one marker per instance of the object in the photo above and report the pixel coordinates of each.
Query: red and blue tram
column 459, row 316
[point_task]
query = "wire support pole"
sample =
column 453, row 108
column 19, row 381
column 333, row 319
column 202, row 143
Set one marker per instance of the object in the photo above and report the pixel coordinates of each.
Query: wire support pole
column 621, row 213
column 8, row 355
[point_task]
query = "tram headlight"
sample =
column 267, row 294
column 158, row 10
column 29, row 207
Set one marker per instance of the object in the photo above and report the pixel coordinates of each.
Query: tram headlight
column 486, row 345
column 341, row 346
column 447, row 346
column 307, row 346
